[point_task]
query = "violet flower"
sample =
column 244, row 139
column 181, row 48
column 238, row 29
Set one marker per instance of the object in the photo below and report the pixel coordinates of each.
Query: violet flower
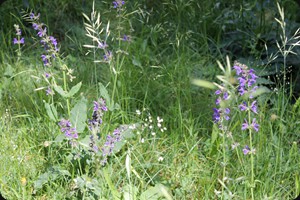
column 107, row 56
column 67, row 129
column 98, row 112
column 48, row 42
column 247, row 80
column 18, row 40
column 126, row 38
column 247, row 150
column 221, row 113
column 102, row 45
column 118, row 3
column 109, row 144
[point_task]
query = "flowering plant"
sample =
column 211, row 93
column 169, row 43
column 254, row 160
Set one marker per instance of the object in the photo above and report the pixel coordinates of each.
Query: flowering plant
column 246, row 91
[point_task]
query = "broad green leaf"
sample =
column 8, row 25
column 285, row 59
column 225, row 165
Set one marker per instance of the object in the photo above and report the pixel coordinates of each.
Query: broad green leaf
column 130, row 192
column 41, row 180
column 9, row 71
column 60, row 91
column 74, row 89
column 126, row 134
column 104, row 93
column 112, row 188
column 51, row 111
column 60, row 171
column 214, row 134
column 60, row 138
column 136, row 62
column 155, row 193
column 79, row 115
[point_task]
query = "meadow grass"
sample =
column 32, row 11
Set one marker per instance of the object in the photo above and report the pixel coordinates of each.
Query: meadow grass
column 170, row 146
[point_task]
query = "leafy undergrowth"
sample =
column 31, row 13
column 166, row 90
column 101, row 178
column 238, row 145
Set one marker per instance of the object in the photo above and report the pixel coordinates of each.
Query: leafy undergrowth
column 111, row 109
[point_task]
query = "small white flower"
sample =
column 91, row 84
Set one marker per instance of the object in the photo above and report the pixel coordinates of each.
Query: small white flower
column 159, row 120
column 160, row 159
column 142, row 140
column 138, row 112
column 132, row 127
column 163, row 129
column 153, row 133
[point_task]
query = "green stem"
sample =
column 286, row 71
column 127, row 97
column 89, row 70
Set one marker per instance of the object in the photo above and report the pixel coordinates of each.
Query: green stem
column 251, row 156
column 65, row 88
column 224, row 161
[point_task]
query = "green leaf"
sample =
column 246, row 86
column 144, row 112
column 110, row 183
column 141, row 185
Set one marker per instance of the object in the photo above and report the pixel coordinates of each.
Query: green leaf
column 155, row 193
column 104, row 93
column 109, row 103
column 9, row 71
column 130, row 192
column 79, row 115
column 214, row 134
column 51, row 111
column 112, row 188
column 74, row 90
column 41, row 180
column 126, row 134
column 60, row 91
column 136, row 62
column 60, row 138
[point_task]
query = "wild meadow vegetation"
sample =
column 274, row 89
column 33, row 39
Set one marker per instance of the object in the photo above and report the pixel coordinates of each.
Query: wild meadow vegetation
column 146, row 100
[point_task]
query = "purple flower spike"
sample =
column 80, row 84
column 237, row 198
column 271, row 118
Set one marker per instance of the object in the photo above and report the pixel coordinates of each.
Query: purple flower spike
column 109, row 144
column 98, row 112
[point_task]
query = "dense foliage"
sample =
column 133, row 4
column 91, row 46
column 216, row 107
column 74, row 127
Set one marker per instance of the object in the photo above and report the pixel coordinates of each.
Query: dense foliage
column 170, row 99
